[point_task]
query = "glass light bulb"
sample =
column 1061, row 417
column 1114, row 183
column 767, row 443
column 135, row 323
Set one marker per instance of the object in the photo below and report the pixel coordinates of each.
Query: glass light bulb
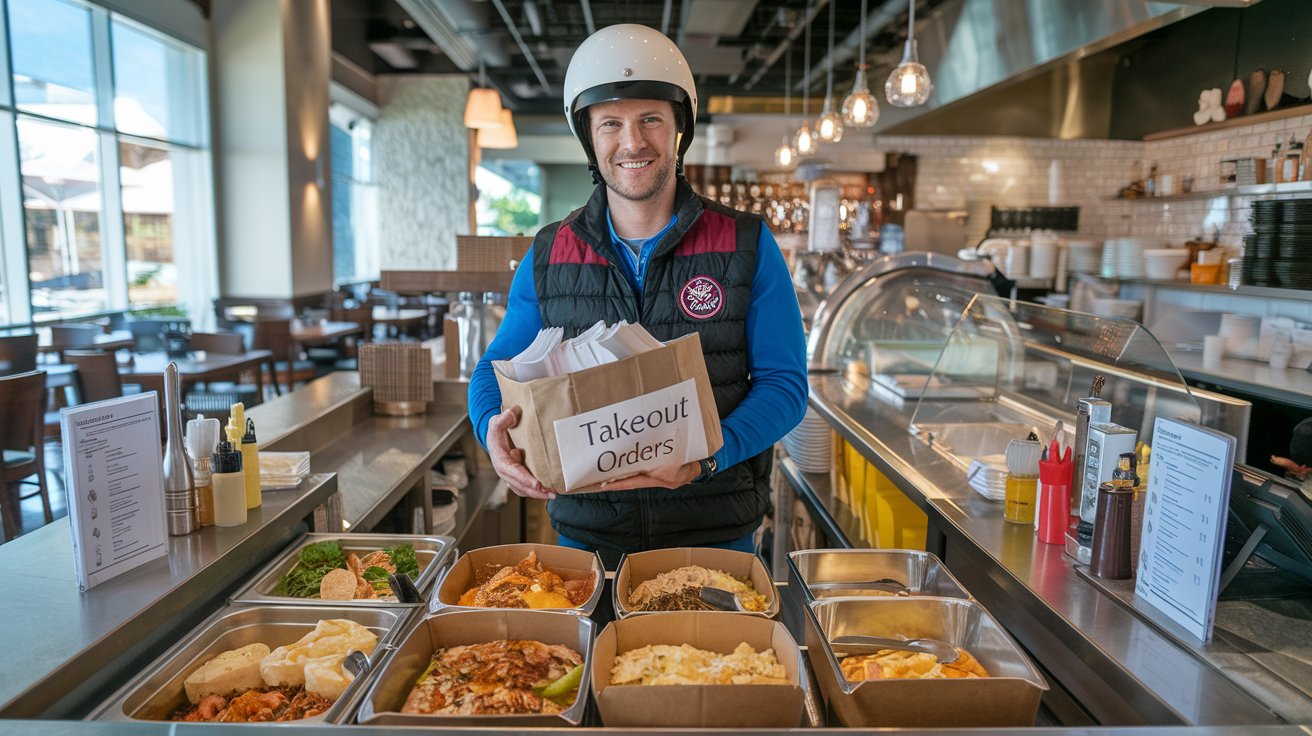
column 909, row 84
column 829, row 127
column 784, row 155
column 804, row 140
column 861, row 108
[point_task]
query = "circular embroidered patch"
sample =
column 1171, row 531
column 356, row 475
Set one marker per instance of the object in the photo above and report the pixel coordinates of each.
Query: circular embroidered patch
column 702, row 297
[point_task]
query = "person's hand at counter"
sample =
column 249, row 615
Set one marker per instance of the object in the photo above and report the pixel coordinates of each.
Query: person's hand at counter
column 508, row 461
column 675, row 476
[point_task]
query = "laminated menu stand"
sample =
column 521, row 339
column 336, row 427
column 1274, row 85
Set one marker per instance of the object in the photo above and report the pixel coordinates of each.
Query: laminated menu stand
column 546, row 401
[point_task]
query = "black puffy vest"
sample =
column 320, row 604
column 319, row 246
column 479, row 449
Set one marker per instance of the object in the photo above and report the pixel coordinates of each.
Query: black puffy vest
column 698, row 279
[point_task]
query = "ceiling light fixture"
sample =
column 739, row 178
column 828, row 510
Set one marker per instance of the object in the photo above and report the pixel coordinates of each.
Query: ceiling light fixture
column 909, row 85
column 500, row 136
column 829, row 127
column 861, row 108
column 804, row 139
column 483, row 106
column 784, row 155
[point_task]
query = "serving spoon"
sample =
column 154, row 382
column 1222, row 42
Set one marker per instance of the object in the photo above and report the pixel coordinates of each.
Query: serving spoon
column 860, row 644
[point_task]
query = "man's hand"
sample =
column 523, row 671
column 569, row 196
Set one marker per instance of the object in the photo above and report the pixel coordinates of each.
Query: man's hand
column 508, row 461
column 671, row 477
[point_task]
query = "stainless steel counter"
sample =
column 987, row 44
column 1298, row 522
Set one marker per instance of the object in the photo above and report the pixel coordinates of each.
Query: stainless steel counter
column 65, row 650
column 1291, row 386
column 1122, row 669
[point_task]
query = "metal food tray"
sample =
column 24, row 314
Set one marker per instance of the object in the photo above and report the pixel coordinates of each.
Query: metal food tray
column 431, row 552
column 397, row 675
column 157, row 691
column 566, row 561
column 826, row 574
column 1009, row 697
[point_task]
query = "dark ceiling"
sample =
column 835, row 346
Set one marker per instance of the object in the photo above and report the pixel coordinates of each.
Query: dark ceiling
column 736, row 47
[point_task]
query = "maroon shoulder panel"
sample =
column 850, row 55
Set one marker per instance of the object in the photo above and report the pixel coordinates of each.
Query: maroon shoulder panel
column 712, row 233
column 568, row 247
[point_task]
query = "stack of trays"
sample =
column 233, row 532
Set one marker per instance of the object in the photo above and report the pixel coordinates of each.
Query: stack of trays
column 988, row 476
column 283, row 469
column 1262, row 247
column 1293, row 268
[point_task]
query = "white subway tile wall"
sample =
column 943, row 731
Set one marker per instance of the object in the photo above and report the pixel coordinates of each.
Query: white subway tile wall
column 972, row 172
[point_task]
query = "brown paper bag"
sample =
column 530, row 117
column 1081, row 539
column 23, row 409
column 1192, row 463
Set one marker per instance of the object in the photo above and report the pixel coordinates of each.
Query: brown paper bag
column 617, row 419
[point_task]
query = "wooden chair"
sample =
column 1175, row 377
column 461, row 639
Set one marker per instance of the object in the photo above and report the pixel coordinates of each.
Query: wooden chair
column 75, row 336
column 97, row 372
column 215, row 399
column 17, row 354
column 225, row 343
column 22, row 451
column 275, row 335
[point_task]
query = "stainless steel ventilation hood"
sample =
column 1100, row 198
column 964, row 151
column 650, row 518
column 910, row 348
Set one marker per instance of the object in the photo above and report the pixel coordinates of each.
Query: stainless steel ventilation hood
column 1026, row 67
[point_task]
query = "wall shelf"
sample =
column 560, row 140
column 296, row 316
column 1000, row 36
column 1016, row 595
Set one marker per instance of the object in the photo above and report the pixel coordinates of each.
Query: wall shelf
column 1292, row 190
column 1261, row 117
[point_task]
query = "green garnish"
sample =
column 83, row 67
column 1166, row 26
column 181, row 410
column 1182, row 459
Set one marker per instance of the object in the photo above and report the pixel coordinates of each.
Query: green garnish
column 377, row 577
column 403, row 557
column 316, row 560
column 565, row 690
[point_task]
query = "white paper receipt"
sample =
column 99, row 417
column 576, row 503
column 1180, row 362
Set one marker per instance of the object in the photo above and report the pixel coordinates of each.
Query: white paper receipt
column 650, row 431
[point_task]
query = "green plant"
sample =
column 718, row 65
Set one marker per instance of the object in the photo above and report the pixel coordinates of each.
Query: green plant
column 167, row 311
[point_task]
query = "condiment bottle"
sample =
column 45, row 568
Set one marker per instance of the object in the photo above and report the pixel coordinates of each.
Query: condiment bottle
column 179, row 488
column 202, row 436
column 1053, row 512
column 1111, row 533
column 250, row 453
column 1022, row 481
column 229, row 482
column 1289, row 164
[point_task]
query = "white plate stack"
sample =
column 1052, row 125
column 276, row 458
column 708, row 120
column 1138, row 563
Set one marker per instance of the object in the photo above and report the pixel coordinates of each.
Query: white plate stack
column 1107, row 259
column 1083, row 256
column 1129, row 258
column 1163, row 264
column 988, row 476
column 1043, row 258
column 810, row 444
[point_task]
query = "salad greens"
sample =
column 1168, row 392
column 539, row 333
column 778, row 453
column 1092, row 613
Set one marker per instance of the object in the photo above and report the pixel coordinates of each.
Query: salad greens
column 403, row 557
column 316, row 560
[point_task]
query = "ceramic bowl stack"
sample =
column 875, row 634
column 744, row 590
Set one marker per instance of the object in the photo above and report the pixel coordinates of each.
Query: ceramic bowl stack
column 1263, row 247
column 988, row 476
column 1163, row 264
column 810, row 444
column 1083, row 256
column 1129, row 258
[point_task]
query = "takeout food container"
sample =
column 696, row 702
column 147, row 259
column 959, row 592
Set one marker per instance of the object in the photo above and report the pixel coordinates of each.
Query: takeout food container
column 568, row 563
column 1009, row 697
column 697, row 706
column 832, row 573
column 431, row 552
column 638, row 567
column 158, row 690
column 397, row 676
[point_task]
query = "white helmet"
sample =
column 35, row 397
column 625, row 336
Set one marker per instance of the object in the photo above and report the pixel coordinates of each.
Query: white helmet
column 628, row 61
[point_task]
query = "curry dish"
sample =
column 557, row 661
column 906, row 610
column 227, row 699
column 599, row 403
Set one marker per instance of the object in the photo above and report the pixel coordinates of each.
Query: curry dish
column 896, row 664
column 527, row 585
column 495, row 678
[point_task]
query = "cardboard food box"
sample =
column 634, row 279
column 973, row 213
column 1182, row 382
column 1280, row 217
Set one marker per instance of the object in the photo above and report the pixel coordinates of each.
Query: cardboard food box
column 1008, row 698
column 398, row 674
column 647, row 411
column 697, row 706
column 641, row 566
column 568, row 563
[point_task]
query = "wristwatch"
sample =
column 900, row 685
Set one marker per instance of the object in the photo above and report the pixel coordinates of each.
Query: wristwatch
column 708, row 470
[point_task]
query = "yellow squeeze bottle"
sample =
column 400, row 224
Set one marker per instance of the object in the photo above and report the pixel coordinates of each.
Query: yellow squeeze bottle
column 250, row 454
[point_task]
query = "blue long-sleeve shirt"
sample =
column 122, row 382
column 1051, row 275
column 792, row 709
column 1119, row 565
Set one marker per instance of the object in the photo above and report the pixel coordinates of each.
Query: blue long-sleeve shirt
column 776, row 359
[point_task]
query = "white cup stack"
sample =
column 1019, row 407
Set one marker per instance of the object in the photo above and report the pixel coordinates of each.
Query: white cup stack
column 1083, row 256
column 1043, row 257
column 1017, row 264
column 1129, row 258
column 1163, row 264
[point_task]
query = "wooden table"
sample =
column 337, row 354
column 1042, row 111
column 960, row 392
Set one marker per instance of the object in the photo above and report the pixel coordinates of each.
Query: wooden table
column 117, row 340
column 321, row 332
column 201, row 367
column 400, row 319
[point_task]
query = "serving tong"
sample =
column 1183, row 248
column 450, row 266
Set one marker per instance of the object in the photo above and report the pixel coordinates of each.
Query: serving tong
column 721, row 599
column 888, row 585
column 862, row 644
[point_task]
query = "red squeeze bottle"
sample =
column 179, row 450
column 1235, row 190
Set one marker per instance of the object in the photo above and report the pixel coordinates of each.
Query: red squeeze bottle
column 1055, row 493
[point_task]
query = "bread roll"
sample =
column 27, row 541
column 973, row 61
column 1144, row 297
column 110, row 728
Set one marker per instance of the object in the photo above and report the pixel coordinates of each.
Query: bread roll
column 325, row 677
column 337, row 585
column 232, row 671
column 330, row 638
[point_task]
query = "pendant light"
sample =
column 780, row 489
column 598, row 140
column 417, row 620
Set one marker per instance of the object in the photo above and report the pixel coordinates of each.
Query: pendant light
column 909, row 85
column 861, row 108
column 784, row 155
column 829, row 126
column 804, row 139
column 483, row 106
column 501, row 135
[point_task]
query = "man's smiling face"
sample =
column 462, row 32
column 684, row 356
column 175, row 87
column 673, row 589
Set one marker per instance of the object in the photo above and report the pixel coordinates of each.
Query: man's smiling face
column 636, row 144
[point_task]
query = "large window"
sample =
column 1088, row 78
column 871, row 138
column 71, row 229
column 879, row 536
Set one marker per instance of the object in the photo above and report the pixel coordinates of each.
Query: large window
column 355, row 197
column 109, row 118
column 509, row 197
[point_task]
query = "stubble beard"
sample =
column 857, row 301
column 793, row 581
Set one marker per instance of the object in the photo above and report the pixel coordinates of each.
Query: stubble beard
column 665, row 170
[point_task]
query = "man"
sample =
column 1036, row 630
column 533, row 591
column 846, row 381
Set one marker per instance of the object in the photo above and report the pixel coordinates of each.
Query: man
column 647, row 249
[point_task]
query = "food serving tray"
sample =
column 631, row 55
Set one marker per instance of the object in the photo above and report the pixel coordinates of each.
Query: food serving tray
column 158, row 690
column 431, row 552
column 569, row 563
column 1009, row 697
column 397, row 675
column 638, row 567
column 823, row 574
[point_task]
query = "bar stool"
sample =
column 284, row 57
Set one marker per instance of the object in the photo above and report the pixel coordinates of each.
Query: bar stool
column 22, row 452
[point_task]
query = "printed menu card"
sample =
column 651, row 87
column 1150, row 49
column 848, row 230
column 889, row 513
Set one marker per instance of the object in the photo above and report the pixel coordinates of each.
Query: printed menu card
column 115, row 479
